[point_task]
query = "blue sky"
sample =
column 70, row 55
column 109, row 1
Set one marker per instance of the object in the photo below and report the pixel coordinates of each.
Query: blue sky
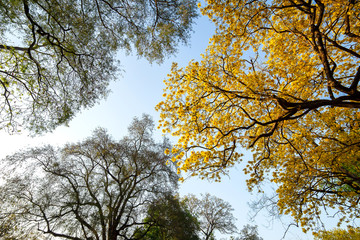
column 137, row 91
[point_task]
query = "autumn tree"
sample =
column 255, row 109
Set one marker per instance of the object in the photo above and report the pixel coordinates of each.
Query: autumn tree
column 57, row 56
column 168, row 219
column 95, row 189
column 213, row 214
column 280, row 78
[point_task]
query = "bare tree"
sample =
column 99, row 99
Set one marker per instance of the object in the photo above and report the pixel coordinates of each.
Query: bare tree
column 249, row 233
column 95, row 189
column 213, row 214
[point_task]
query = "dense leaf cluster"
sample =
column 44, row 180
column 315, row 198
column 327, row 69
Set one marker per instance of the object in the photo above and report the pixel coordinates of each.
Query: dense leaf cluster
column 57, row 56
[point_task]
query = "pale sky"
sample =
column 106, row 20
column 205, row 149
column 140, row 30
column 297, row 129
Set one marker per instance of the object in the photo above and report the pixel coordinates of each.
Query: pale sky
column 137, row 91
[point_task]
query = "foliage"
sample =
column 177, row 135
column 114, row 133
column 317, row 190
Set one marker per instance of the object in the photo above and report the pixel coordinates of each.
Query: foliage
column 168, row 219
column 281, row 78
column 212, row 213
column 57, row 56
column 339, row 234
column 9, row 225
column 95, row 189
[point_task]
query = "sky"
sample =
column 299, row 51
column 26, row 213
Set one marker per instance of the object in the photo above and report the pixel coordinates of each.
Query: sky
column 138, row 89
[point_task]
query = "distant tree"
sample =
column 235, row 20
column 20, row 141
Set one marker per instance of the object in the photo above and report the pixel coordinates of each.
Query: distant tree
column 213, row 214
column 95, row 189
column 57, row 56
column 169, row 219
column 249, row 233
column 339, row 234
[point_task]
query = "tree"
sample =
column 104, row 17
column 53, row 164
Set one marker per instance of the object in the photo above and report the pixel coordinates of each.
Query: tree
column 249, row 233
column 168, row 219
column 280, row 78
column 213, row 214
column 95, row 189
column 339, row 234
column 57, row 56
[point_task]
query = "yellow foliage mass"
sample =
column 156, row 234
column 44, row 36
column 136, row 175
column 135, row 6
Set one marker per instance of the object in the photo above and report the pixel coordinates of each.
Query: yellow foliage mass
column 339, row 234
column 281, row 78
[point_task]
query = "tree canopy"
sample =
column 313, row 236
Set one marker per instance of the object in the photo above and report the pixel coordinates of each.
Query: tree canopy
column 95, row 189
column 280, row 78
column 57, row 56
